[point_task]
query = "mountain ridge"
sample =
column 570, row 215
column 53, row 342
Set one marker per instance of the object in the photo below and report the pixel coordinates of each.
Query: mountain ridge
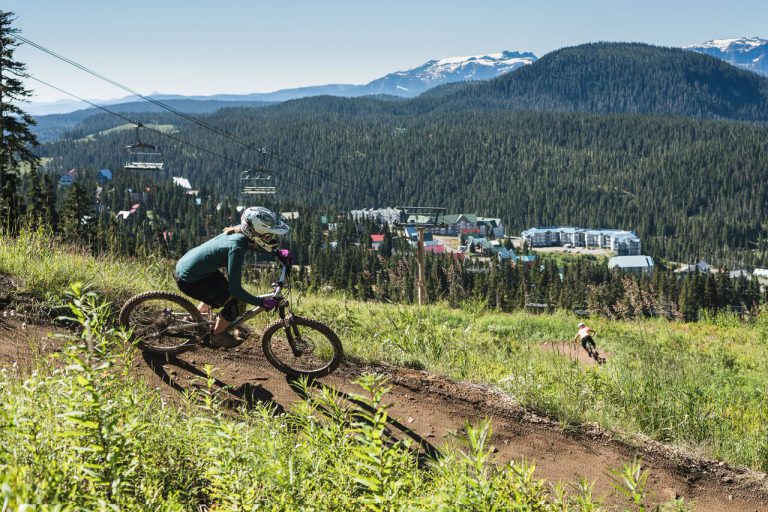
column 750, row 53
column 406, row 83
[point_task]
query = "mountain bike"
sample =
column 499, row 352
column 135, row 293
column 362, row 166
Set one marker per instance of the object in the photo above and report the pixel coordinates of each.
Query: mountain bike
column 591, row 348
column 168, row 323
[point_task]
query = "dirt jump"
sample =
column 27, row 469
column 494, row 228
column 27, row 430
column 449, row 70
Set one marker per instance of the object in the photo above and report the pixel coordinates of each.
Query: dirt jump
column 430, row 410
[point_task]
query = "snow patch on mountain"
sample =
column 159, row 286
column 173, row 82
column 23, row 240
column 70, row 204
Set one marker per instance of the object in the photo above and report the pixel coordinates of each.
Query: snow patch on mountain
column 744, row 52
column 414, row 81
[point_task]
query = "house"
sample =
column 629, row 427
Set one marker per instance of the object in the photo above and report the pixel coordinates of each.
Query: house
column 635, row 264
column 460, row 224
column 477, row 244
column 103, row 176
column 491, row 226
column 737, row 274
column 69, row 178
column 760, row 272
column 502, row 253
column 289, row 215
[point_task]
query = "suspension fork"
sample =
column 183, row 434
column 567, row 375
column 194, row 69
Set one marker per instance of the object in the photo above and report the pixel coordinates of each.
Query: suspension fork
column 291, row 330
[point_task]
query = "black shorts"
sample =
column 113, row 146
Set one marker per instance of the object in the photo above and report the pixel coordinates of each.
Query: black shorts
column 214, row 291
column 587, row 340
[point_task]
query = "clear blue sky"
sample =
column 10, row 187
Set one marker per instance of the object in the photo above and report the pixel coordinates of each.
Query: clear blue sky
column 241, row 46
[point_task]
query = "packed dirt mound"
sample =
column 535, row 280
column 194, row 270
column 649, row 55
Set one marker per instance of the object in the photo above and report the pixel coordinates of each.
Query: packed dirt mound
column 429, row 410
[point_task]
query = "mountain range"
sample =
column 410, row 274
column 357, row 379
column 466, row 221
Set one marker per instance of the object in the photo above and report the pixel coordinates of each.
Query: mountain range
column 617, row 134
column 406, row 83
column 746, row 53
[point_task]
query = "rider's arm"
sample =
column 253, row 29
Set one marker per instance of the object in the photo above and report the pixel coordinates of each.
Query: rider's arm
column 235, row 272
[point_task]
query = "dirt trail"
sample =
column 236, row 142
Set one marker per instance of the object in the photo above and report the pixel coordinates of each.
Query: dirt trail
column 428, row 409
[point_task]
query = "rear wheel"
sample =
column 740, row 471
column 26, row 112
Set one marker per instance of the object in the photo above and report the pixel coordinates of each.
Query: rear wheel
column 318, row 349
column 158, row 321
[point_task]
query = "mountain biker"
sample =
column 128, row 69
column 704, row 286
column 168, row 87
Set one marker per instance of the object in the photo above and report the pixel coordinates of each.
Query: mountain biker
column 197, row 272
column 585, row 336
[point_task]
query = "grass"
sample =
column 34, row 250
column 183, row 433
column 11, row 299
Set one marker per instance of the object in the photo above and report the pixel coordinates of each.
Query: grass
column 700, row 386
column 85, row 434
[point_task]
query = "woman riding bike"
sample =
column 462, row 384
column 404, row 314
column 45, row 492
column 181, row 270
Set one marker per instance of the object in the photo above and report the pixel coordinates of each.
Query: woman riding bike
column 197, row 272
column 585, row 336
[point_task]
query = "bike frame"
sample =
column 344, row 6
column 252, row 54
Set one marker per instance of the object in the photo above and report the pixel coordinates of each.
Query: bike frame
column 283, row 310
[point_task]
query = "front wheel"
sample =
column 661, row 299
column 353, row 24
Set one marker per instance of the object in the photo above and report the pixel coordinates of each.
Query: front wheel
column 316, row 350
column 161, row 322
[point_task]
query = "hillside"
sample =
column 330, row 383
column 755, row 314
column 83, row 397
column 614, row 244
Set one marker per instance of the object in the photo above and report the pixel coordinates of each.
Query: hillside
column 623, row 78
column 658, row 379
column 686, row 186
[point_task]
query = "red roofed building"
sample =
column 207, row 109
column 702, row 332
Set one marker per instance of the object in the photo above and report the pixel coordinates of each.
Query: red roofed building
column 434, row 249
column 376, row 241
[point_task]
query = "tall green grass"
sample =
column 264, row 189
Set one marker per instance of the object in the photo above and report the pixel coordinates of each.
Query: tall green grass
column 87, row 435
column 701, row 386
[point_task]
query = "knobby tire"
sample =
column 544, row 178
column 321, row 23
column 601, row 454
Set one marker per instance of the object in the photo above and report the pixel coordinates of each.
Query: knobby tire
column 305, row 325
column 128, row 319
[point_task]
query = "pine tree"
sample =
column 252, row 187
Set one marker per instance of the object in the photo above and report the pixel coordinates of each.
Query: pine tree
column 77, row 216
column 15, row 134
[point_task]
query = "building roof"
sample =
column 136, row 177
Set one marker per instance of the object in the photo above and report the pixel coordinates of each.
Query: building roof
column 437, row 249
column 616, row 233
column 377, row 238
column 105, row 173
column 631, row 262
column 182, row 182
column 453, row 218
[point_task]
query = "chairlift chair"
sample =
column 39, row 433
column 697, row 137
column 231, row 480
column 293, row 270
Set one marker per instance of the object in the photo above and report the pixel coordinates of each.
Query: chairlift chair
column 259, row 181
column 142, row 156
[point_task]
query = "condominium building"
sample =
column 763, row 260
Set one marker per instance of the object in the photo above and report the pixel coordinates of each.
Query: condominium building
column 623, row 243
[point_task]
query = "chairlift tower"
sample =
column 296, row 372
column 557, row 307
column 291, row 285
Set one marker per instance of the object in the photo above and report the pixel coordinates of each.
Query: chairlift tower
column 420, row 217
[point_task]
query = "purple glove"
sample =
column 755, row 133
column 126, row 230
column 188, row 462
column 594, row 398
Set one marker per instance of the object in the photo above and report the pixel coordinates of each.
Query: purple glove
column 285, row 256
column 269, row 304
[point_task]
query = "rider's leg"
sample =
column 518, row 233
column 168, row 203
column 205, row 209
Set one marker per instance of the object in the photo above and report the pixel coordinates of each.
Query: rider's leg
column 203, row 308
column 229, row 312
column 221, row 325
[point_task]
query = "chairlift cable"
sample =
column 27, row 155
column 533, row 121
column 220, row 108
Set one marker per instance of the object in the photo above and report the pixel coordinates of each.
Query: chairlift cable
column 171, row 137
column 188, row 117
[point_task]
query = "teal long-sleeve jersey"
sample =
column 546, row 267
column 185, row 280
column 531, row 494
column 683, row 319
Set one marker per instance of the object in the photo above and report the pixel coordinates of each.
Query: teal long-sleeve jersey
column 218, row 252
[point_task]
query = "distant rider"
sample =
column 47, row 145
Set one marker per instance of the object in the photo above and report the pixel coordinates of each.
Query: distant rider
column 198, row 275
column 585, row 336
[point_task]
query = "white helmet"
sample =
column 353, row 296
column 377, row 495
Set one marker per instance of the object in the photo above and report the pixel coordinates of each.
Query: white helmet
column 581, row 324
column 262, row 227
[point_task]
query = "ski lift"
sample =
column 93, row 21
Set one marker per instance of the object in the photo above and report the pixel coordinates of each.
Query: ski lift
column 258, row 181
column 142, row 156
